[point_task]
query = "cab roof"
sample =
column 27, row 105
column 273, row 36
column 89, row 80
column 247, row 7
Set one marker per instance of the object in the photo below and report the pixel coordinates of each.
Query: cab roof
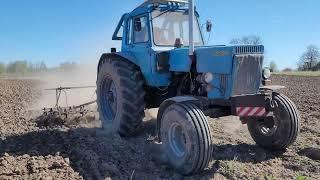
column 163, row 2
column 149, row 5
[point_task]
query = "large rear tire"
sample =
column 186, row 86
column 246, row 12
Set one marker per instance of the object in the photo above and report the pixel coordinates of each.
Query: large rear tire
column 279, row 132
column 120, row 96
column 186, row 138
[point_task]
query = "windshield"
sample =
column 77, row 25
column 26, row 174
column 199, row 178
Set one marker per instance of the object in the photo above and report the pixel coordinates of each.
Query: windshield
column 168, row 26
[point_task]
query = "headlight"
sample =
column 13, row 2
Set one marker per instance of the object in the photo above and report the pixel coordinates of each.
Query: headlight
column 266, row 74
column 208, row 77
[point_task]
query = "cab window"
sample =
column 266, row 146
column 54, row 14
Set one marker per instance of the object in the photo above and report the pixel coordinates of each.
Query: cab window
column 118, row 33
column 140, row 29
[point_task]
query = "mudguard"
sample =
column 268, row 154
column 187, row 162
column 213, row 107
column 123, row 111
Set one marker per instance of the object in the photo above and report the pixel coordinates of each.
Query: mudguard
column 272, row 87
column 126, row 55
column 129, row 56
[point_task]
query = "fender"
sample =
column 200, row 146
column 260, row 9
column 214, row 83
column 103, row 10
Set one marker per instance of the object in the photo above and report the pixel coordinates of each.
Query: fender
column 126, row 55
column 165, row 104
column 272, row 87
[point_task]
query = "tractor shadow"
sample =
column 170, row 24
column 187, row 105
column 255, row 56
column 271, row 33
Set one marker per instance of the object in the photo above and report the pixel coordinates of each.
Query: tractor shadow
column 245, row 153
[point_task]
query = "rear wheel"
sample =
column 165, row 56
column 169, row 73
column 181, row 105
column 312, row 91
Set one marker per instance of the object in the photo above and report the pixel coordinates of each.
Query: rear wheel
column 120, row 96
column 281, row 130
column 186, row 138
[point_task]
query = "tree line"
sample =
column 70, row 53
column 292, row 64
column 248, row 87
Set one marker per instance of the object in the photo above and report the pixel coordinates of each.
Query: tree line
column 309, row 60
column 23, row 67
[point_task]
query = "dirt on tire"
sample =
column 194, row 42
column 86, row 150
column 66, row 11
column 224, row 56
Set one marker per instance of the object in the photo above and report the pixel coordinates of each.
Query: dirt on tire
column 80, row 149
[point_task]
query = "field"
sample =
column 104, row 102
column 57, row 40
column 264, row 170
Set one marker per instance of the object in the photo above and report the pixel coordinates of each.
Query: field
column 299, row 73
column 33, row 148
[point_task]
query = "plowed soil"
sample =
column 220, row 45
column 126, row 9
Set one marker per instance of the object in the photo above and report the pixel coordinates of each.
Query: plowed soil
column 35, row 148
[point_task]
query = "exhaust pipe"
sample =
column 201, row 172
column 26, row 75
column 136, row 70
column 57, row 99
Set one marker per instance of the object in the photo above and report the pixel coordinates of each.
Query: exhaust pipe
column 191, row 27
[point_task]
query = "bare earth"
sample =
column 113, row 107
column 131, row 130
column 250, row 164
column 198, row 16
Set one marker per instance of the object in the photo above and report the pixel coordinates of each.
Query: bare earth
column 33, row 148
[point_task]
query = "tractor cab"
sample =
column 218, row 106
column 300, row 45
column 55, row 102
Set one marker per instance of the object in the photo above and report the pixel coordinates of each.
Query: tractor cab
column 155, row 32
column 158, row 24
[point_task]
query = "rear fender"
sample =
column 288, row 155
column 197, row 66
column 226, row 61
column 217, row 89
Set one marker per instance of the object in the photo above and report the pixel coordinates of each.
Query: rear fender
column 272, row 87
column 127, row 56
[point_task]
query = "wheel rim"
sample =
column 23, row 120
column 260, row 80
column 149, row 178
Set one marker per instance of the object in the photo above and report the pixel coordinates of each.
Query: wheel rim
column 177, row 140
column 268, row 126
column 109, row 99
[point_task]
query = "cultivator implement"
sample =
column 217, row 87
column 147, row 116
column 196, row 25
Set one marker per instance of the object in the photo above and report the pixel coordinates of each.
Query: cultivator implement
column 59, row 114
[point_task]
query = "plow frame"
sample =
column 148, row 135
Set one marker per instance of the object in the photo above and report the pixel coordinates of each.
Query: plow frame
column 65, row 111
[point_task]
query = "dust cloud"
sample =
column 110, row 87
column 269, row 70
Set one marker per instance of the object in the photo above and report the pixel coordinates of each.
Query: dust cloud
column 81, row 75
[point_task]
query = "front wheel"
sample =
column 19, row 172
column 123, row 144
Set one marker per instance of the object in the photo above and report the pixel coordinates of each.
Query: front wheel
column 186, row 138
column 281, row 130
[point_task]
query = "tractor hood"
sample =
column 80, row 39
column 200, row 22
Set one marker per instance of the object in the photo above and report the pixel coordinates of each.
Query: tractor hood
column 215, row 59
column 236, row 69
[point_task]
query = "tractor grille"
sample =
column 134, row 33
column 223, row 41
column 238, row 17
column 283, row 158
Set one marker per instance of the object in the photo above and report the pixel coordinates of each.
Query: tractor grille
column 248, row 71
column 223, row 83
column 249, row 49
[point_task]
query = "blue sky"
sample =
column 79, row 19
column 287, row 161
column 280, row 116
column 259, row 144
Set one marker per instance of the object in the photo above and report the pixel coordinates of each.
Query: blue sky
column 80, row 30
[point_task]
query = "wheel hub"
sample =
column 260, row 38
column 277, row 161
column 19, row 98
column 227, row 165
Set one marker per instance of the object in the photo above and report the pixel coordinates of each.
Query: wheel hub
column 109, row 99
column 177, row 140
column 268, row 126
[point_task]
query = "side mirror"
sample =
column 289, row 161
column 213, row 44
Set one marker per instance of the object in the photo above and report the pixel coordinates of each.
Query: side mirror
column 208, row 25
column 137, row 25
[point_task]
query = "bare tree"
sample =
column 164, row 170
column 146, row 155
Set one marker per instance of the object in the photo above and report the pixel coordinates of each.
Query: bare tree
column 316, row 67
column 273, row 66
column 309, row 58
column 43, row 66
column 287, row 70
column 19, row 67
column 2, row 68
column 247, row 40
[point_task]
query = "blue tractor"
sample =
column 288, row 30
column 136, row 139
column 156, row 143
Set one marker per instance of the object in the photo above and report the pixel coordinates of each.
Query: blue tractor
column 164, row 63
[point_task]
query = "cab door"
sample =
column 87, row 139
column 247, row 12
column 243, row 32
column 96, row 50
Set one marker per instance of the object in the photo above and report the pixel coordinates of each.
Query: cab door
column 138, row 44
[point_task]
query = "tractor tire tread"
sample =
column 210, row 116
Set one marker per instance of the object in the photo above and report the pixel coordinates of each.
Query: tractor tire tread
column 206, row 134
column 132, row 94
column 295, row 116
column 203, row 138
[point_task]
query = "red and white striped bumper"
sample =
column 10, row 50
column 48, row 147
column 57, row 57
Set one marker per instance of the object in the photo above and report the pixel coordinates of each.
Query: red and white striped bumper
column 252, row 112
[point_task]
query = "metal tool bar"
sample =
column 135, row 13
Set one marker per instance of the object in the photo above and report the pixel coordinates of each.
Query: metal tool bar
column 66, row 88
column 60, row 89
column 85, row 104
